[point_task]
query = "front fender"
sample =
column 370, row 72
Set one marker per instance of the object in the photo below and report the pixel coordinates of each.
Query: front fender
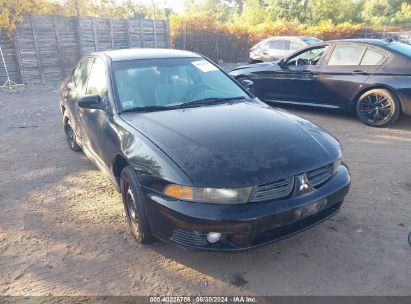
column 152, row 165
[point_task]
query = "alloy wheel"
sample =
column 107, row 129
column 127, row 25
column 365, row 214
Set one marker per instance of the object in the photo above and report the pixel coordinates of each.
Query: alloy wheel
column 376, row 108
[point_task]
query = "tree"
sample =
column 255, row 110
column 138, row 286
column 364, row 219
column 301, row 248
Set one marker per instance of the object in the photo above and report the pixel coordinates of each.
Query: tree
column 217, row 9
column 403, row 16
column 290, row 10
column 12, row 11
column 254, row 12
column 238, row 5
column 336, row 11
column 381, row 12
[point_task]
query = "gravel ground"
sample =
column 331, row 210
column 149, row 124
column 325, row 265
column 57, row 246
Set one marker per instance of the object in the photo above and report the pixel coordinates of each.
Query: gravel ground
column 63, row 229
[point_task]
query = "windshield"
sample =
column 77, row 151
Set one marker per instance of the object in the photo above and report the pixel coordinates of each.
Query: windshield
column 402, row 48
column 162, row 83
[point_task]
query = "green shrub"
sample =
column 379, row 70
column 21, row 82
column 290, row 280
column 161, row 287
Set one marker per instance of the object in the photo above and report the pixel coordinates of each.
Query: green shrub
column 230, row 42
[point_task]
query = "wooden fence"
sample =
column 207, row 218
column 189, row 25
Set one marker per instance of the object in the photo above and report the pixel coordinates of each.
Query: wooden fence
column 44, row 49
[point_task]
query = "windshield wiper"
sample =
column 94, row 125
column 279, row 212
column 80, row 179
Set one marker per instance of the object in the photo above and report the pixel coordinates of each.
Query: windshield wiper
column 147, row 109
column 208, row 101
column 189, row 104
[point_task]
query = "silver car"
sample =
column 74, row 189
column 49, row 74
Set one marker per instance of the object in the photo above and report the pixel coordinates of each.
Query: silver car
column 275, row 48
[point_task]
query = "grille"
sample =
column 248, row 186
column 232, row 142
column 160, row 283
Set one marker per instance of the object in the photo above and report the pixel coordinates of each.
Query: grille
column 321, row 175
column 189, row 238
column 274, row 190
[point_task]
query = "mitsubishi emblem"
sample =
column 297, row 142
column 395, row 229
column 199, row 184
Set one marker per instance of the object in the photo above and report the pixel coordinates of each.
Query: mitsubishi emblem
column 304, row 184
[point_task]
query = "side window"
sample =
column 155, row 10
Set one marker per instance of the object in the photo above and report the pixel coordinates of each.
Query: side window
column 261, row 45
column 295, row 45
column 276, row 44
column 308, row 57
column 97, row 82
column 373, row 57
column 347, row 55
column 81, row 74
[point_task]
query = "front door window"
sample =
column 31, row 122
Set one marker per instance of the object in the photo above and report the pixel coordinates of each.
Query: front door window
column 308, row 57
column 81, row 74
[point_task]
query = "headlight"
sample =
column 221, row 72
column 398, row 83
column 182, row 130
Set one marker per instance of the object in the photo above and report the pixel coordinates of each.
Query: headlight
column 208, row 195
column 336, row 165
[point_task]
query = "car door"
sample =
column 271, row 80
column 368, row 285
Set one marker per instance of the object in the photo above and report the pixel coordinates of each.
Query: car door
column 341, row 75
column 98, row 136
column 76, row 88
column 294, row 79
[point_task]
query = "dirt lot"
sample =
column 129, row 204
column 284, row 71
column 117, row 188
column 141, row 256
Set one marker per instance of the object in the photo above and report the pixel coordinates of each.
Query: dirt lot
column 63, row 229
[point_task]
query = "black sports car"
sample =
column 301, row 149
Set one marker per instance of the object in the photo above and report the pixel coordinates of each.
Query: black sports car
column 198, row 160
column 371, row 77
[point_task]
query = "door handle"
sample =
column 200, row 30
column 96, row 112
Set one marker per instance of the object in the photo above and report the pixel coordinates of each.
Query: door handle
column 360, row 72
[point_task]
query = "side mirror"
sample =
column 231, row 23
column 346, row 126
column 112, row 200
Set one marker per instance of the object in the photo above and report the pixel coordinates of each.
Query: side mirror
column 281, row 63
column 91, row 102
column 248, row 84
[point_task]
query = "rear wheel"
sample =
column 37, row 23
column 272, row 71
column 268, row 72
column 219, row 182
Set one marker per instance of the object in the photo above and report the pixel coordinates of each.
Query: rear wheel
column 71, row 137
column 133, row 206
column 378, row 108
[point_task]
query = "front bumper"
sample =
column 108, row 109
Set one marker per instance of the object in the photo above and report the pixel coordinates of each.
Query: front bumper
column 242, row 226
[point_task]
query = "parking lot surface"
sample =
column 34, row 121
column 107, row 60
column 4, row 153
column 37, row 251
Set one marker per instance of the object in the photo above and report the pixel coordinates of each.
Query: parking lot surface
column 63, row 229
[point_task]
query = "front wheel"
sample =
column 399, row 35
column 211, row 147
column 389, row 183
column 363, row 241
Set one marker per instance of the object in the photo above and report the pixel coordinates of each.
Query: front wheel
column 71, row 137
column 133, row 206
column 378, row 108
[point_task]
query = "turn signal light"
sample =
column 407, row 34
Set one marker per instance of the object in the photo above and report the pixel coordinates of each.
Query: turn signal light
column 179, row 192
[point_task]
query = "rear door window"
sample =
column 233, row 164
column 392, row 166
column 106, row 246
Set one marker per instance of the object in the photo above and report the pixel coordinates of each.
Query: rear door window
column 276, row 44
column 347, row 55
column 373, row 57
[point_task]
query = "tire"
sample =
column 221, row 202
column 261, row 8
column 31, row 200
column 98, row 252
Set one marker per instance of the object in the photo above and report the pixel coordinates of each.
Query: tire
column 378, row 108
column 71, row 137
column 133, row 206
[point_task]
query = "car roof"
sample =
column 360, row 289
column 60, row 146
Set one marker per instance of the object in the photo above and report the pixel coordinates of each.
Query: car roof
column 290, row 37
column 378, row 42
column 133, row 54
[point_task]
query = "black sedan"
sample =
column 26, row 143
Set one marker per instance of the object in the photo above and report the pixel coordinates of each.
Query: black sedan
column 370, row 77
column 199, row 161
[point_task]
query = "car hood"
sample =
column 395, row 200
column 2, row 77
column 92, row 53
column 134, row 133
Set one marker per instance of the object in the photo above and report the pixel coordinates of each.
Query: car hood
column 236, row 145
column 254, row 65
